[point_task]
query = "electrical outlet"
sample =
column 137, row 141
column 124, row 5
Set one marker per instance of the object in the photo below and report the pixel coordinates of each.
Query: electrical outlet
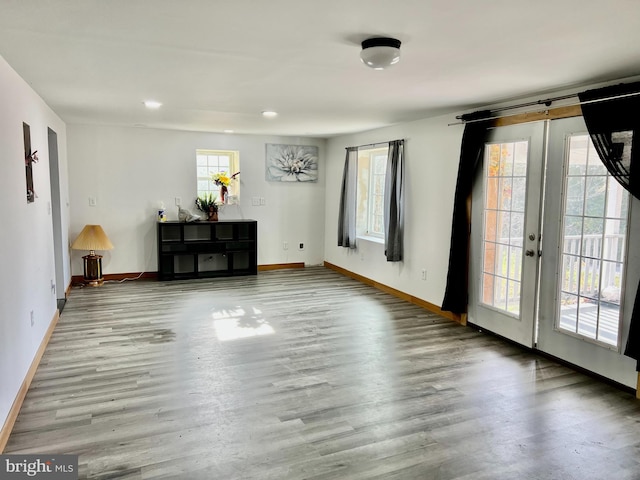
column 92, row 201
column 285, row 245
column 424, row 274
column 53, row 287
column 301, row 246
column 178, row 201
column 33, row 321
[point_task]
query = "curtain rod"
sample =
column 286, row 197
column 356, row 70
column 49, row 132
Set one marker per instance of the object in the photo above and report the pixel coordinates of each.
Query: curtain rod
column 546, row 103
column 377, row 143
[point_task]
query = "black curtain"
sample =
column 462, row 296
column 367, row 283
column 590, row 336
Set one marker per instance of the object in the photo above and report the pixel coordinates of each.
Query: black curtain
column 473, row 140
column 614, row 128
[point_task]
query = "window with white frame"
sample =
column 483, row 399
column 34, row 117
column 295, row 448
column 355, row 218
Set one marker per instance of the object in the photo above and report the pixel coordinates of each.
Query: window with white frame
column 372, row 167
column 209, row 162
column 594, row 246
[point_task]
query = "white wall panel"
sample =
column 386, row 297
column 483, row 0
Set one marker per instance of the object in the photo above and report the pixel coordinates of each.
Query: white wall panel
column 26, row 239
column 130, row 171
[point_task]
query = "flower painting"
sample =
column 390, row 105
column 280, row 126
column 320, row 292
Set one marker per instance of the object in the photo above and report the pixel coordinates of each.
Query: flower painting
column 291, row 163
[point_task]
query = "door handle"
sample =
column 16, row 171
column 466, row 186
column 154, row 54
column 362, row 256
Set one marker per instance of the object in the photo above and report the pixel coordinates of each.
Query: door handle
column 529, row 253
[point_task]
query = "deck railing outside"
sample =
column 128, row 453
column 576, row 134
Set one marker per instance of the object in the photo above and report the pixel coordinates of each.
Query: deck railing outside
column 591, row 267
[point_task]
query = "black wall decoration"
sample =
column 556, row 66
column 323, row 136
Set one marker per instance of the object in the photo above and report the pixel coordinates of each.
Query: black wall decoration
column 29, row 159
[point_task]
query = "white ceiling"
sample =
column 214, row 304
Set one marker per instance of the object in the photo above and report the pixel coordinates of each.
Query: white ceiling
column 216, row 64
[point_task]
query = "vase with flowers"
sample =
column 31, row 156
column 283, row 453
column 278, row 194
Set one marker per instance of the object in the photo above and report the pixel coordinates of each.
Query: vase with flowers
column 207, row 204
column 223, row 181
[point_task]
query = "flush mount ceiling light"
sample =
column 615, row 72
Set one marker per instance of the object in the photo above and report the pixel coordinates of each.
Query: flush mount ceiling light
column 380, row 52
column 152, row 104
column 269, row 113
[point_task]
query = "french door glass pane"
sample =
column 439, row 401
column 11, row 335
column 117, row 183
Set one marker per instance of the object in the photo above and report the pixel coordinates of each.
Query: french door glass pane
column 594, row 246
column 569, row 281
column 517, row 225
column 505, row 193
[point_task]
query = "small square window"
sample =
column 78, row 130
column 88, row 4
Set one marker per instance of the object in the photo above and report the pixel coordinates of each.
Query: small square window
column 210, row 162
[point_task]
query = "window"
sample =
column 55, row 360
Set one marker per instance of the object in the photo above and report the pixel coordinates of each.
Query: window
column 594, row 245
column 505, row 183
column 209, row 162
column 372, row 167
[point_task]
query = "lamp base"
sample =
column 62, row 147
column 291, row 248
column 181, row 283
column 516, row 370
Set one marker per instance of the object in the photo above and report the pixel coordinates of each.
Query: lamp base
column 93, row 270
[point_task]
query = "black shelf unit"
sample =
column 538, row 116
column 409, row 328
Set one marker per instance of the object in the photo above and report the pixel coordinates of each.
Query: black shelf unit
column 207, row 249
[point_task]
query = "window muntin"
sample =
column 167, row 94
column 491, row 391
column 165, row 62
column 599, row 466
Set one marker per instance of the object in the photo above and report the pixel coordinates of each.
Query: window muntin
column 372, row 167
column 593, row 246
column 209, row 162
column 505, row 187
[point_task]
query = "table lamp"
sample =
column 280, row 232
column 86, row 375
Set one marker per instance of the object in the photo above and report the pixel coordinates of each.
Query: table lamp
column 92, row 238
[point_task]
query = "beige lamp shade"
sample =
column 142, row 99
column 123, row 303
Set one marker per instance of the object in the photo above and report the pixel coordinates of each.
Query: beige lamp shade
column 92, row 237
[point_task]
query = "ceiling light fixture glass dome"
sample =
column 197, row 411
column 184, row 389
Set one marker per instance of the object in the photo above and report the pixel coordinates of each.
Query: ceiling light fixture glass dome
column 380, row 52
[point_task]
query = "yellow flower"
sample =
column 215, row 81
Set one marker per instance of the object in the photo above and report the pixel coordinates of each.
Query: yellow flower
column 221, row 179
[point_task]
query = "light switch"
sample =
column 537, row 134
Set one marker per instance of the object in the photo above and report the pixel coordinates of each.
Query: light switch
column 92, row 201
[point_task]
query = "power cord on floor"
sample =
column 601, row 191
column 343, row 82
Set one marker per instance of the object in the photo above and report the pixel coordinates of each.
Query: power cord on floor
column 129, row 279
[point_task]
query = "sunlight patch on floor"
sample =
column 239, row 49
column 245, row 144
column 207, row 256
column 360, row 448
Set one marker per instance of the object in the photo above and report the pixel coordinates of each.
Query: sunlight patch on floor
column 232, row 324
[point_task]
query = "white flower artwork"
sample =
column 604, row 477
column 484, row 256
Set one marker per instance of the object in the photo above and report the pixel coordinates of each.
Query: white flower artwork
column 291, row 163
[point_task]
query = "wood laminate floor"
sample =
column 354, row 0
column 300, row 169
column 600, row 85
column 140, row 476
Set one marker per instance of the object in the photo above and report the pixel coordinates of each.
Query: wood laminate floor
column 307, row 374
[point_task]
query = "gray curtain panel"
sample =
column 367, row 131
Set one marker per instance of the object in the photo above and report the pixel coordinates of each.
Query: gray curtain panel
column 394, row 203
column 347, row 212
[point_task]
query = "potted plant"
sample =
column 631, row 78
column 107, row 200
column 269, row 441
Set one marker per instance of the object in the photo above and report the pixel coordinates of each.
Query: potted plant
column 207, row 204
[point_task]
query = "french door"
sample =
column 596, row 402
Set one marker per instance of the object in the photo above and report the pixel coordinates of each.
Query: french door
column 584, row 262
column 549, row 241
column 505, row 233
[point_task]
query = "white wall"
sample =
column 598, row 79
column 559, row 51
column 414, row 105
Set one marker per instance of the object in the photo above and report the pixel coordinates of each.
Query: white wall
column 26, row 242
column 431, row 160
column 131, row 170
column 432, row 150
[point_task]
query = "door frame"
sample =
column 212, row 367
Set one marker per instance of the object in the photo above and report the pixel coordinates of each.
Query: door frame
column 56, row 214
column 552, row 114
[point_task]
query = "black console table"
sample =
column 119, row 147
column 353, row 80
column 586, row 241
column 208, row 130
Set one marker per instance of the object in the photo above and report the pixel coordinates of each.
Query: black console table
column 207, row 249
